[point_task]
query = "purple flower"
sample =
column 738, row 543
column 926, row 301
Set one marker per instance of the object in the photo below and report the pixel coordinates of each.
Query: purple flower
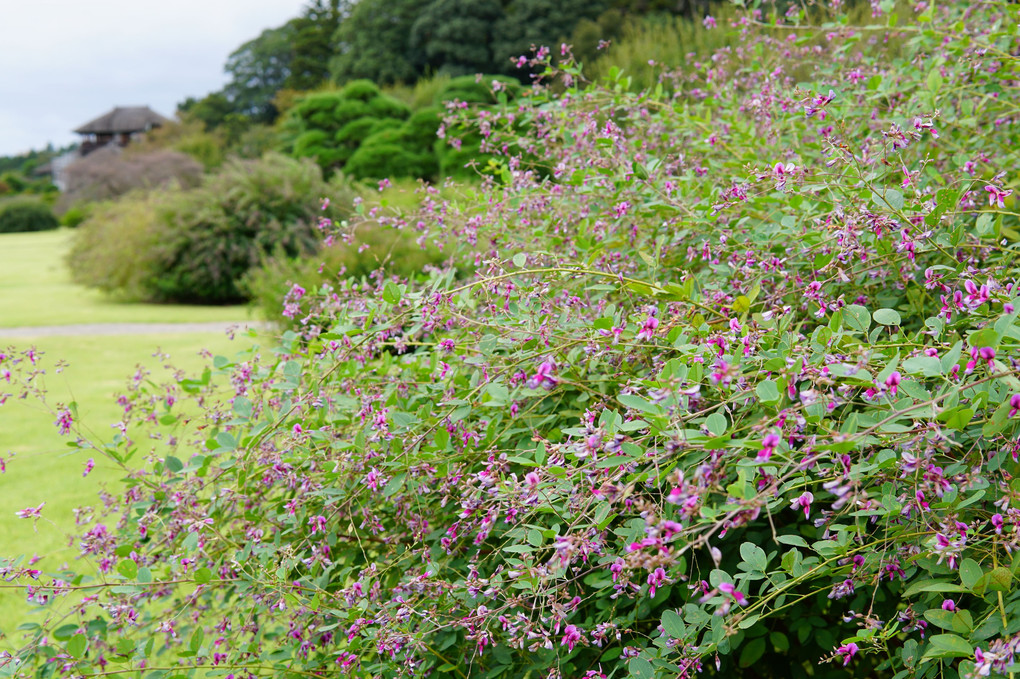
column 997, row 522
column 731, row 590
column 89, row 464
column 543, row 377
column 768, row 446
column 1014, row 405
column 709, row 22
column 893, row 382
column 804, row 501
column 656, row 579
column 648, row 328
column 31, row 512
column 997, row 195
column 571, row 636
column 948, row 605
column 64, row 421
column 847, row 651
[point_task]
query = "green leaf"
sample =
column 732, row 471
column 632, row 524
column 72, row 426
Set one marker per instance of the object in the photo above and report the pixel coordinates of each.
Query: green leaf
column 887, row 317
column 673, row 624
column 226, row 441
column 716, row 424
column 391, row 293
column 970, row 572
column 173, row 464
column 767, row 391
column 751, row 652
column 929, row 366
column 780, row 641
column 857, row 318
column 986, row 337
column 203, row 575
column 641, row 668
column 754, row 556
column 949, row 646
column 932, row 586
column 934, row 80
column 956, row 418
column 520, row 259
column 890, row 197
column 128, row 568
column 77, row 645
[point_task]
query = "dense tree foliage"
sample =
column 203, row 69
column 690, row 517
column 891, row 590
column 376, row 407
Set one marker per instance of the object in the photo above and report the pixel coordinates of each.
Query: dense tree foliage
column 455, row 36
column 373, row 42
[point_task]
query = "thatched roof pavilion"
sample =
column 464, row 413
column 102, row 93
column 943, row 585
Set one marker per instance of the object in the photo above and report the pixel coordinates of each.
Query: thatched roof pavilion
column 118, row 125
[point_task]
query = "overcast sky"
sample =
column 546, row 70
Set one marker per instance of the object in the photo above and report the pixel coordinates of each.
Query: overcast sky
column 65, row 62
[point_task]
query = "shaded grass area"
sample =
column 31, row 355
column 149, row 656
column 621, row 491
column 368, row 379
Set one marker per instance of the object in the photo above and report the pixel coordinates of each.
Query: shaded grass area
column 40, row 465
column 35, row 289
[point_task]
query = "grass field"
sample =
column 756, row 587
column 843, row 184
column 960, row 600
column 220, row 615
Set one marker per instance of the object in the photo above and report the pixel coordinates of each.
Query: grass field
column 35, row 289
column 40, row 467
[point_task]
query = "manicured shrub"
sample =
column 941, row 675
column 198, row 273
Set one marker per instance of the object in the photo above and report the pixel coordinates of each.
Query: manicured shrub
column 74, row 216
column 195, row 246
column 330, row 126
column 26, row 214
column 407, row 150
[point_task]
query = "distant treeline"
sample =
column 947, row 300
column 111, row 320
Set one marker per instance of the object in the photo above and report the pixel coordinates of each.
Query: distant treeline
column 401, row 41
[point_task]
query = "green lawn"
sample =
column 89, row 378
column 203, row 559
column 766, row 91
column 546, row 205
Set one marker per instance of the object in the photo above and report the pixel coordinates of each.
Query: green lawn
column 35, row 289
column 40, row 467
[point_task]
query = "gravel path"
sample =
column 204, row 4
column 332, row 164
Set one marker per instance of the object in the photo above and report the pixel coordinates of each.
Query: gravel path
column 128, row 329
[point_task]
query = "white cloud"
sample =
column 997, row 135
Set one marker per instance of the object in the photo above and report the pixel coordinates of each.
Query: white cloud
column 64, row 62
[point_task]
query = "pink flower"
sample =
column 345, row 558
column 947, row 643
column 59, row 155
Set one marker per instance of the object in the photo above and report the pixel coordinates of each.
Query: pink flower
column 997, row 523
column 731, row 590
column 768, row 446
column 997, row 195
column 648, row 328
column 848, row 651
column 89, row 464
column 804, row 501
column 656, row 579
column 948, row 605
column 31, row 512
column 893, row 382
column 709, row 22
column 1014, row 405
column 64, row 421
column 571, row 635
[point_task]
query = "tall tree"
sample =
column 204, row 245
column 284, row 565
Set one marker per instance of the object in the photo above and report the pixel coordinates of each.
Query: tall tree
column 258, row 69
column 373, row 42
column 312, row 43
column 539, row 22
column 455, row 36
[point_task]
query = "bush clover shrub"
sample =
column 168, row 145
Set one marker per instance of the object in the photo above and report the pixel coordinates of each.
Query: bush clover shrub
column 732, row 391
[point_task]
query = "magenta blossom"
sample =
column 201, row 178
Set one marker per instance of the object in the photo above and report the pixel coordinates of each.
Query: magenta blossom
column 731, row 590
column 804, row 501
column 1014, row 405
column 996, row 196
column 893, row 382
column 31, row 512
column 571, row 635
column 768, row 447
column 948, row 605
column 848, row 651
